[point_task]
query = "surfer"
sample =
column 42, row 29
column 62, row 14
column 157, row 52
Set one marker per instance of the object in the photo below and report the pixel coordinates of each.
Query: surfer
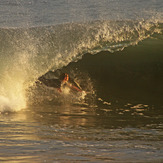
column 63, row 81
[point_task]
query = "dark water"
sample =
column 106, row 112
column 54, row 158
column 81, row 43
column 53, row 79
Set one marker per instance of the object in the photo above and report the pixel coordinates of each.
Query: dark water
column 113, row 49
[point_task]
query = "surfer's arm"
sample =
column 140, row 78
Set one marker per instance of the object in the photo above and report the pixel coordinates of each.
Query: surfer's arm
column 74, row 87
column 59, row 90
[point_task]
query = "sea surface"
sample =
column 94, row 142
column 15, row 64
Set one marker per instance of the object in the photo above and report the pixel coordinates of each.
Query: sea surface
column 113, row 49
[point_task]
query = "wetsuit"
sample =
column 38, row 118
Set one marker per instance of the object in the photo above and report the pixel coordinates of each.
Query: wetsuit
column 55, row 83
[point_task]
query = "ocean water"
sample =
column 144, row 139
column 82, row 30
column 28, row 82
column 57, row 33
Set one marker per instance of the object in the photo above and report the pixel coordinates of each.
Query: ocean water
column 113, row 49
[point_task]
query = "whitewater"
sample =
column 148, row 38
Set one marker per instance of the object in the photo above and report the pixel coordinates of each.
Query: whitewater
column 112, row 49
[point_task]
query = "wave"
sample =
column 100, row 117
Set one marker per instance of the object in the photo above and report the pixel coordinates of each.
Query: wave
column 27, row 53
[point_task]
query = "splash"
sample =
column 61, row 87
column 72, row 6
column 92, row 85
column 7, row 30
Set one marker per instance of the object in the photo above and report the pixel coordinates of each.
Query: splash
column 12, row 96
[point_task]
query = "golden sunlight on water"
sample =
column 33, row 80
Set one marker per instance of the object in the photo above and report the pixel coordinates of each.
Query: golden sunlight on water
column 70, row 133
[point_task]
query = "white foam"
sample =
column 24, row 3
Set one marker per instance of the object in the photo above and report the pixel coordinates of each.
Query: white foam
column 11, row 104
column 65, row 90
column 4, row 104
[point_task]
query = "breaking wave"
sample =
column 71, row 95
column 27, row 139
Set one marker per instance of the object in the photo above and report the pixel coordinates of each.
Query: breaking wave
column 27, row 53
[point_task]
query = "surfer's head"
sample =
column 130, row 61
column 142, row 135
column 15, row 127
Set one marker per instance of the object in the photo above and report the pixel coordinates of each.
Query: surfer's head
column 64, row 77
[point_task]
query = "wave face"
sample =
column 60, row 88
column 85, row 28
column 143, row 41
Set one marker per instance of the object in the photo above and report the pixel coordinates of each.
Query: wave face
column 133, row 61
